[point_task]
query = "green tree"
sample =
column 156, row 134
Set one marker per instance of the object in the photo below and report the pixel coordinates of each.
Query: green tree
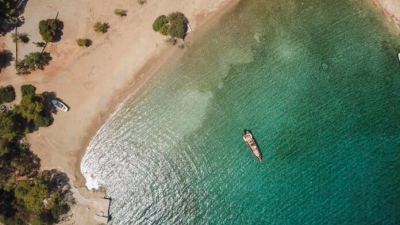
column 160, row 22
column 35, row 110
column 7, row 94
column 8, row 126
column 4, row 147
column 34, row 199
column 178, row 25
column 8, row 13
column 28, row 89
column 32, row 61
column 50, row 29
column 174, row 25
column 31, row 107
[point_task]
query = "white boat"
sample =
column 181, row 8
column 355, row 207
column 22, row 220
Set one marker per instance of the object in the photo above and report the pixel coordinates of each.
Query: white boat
column 398, row 55
column 251, row 143
column 59, row 105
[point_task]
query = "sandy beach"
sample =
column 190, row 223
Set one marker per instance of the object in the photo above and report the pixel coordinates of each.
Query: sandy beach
column 93, row 81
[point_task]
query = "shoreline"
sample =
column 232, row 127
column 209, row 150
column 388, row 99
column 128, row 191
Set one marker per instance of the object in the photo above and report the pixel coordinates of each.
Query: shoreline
column 391, row 10
column 93, row 81
column 146, row 72
column 54, row 151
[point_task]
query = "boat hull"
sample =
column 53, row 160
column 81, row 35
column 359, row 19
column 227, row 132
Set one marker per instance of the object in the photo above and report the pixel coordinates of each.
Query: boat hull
column 59, row 105
column 252, row 145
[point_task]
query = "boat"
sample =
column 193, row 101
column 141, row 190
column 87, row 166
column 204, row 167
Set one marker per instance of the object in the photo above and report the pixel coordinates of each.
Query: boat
column 59, row 105
column 251, row 143
column 398, row 55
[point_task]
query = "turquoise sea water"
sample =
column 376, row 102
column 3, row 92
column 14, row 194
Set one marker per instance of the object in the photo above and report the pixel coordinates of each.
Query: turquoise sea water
column 318, row 84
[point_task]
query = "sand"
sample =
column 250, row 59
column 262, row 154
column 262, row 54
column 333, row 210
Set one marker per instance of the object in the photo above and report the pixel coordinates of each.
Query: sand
column 391, row 8
column 93, row 81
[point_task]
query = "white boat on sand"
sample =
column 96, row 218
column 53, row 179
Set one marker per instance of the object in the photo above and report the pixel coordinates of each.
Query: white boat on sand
column 59, row 105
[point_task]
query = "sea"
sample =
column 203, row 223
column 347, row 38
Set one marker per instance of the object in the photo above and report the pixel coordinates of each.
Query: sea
column 317, row 83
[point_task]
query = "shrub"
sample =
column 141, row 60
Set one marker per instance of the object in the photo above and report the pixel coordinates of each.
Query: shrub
column 100, row 27
column 120, row 12
column 32, row 61
column 50, row 29
column 28, row 89
column 142, row 2
column 7, row 94
column 160, row 22
column 83, row 42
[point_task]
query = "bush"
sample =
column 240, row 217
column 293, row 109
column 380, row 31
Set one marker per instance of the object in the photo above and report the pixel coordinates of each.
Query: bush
column 50, row 29
column 142, row 2
column 100, row 27
column 160, row 22
column 120, row 12
column 7, row 94
column 83, row 42
column 28, row 89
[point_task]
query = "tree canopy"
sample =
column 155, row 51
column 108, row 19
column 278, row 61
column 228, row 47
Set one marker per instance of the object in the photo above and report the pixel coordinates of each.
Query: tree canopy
column 174, row 25
column 28, row 195
column 7, row 94
column 32, row 61
column 50, row 29
column 28, row 89
column 178, row 25
column 7, row 11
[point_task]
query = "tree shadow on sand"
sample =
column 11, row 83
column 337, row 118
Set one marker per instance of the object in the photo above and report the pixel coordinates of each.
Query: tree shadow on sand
column 6, row 57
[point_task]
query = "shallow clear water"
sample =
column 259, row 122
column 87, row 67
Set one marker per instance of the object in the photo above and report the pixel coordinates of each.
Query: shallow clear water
column 318, row 84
